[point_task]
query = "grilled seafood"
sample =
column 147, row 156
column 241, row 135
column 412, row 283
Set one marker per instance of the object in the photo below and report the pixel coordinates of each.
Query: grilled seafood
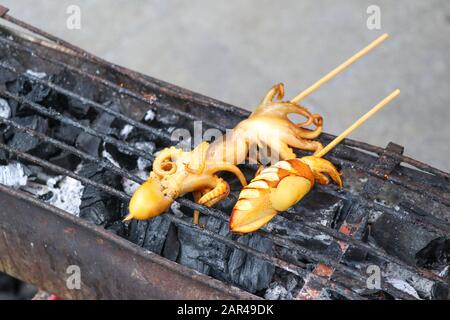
column 269, row 127
column 176, row 172
column 277, row 188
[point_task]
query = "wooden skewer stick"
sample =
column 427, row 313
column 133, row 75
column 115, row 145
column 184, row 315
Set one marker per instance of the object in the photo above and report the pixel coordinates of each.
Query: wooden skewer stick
column 340, row 68
column 358, row 123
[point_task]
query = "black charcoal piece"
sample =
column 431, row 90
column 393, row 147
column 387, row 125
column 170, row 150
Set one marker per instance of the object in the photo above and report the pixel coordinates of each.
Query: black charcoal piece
column 399, row 238
column 167, row 118
column 319, row 207
column 97, row 206
column 66, row 133
column 124, row 159
column 118, row 228
column 44, row 150
column 201, row 252
column 246, row 270
column 23, row 141
column 79, row 85
column 66, row 160
column 150, row 234
column 435, row 254
column 171, row 245
column 3, row 153
column 7, row 75
column 38, row 93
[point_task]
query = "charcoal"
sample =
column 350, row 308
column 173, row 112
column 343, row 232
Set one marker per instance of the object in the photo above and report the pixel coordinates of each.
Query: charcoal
column 435, row 254
column 150, row 234
column 73, row 83
column 319, row 207
column 88, row 143
column 167, row 118
column 38, row 93
column 8, row 283
column 118, row 228
column 91, row 144
column 246, row 270
column 440, row 292
column 171, row 245
column 399, row 238
column 6, row 75
column 121, row 159
column 201, row 252
column 23, row 141
column 3, row 154
column 44, row 150
column 98, row 206
column 66, row 133
column 66, row 160
column 374, row 294
column 13, row 174
column 285, row 286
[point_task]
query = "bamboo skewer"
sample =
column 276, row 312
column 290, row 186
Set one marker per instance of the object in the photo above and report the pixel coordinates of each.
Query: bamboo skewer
column 358, row 123
column 340, row 68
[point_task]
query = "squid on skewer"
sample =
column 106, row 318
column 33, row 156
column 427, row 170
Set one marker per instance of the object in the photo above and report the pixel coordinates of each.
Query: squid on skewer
column 267, row 127
column 176, row 172
column 279, row 187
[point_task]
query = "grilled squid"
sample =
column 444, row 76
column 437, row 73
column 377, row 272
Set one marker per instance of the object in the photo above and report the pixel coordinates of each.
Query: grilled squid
column 277, row 188
column 269, row 127
column 176, row 172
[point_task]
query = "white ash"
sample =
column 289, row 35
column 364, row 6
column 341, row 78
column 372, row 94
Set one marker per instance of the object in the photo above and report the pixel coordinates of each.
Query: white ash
column 422, row 286
column 403, row 286
column 129, row 186
column 148, row 147
column 445, row 272
column 280, row 290
column 67, row 196
column 106, row 155
column 149, row 115
column 5, row 109
column 126, row 130
column 176, row 209
column 13, row 175
column 277, row 292
column 36, row 74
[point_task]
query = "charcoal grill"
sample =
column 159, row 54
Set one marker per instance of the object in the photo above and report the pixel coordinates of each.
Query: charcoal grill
column 386, row 198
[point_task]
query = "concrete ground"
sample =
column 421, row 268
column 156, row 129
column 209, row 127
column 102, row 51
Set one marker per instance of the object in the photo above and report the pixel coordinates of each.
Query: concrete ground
column 236, row 50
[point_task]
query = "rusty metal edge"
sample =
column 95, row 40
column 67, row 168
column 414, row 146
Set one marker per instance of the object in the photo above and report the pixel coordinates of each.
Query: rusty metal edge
column 38, row 242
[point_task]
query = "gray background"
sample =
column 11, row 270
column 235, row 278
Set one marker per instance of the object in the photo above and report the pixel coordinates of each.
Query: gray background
column 236, row 50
